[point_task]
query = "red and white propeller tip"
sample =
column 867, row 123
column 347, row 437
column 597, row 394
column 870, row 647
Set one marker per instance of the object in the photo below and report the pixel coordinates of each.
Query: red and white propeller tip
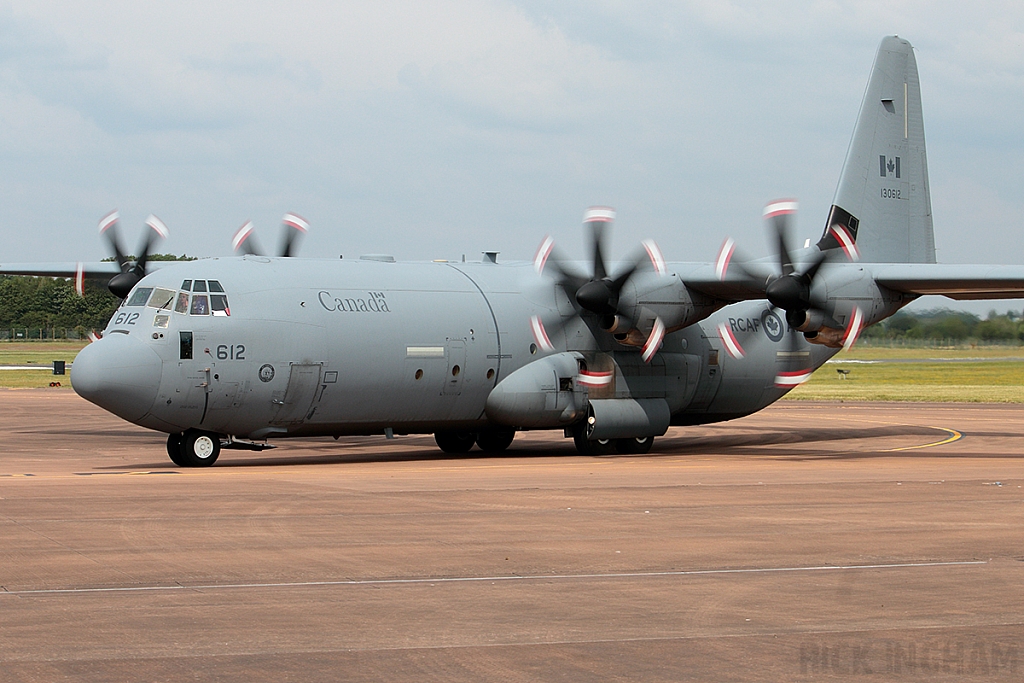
column 543, row 252
column 845, row 240
column 157, row 226
column 109, row 220
column 595, row 379
column 732, row 345
column 792, row 378
column 296, row 221
column 80, row 279
column 241, row 235
column 599, row 214
column 657, row 258
column 540, row 335
column 781, row 207
column 853, row 329
column 724, row 257
column 654, row 341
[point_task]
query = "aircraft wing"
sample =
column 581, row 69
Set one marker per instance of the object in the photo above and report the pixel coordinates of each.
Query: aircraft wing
column 960, row 282
column 96, row 269
column 69, row 269
column 735, row 287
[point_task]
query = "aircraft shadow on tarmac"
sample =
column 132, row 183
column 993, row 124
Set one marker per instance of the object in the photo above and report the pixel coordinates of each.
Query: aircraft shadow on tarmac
column 768, row 443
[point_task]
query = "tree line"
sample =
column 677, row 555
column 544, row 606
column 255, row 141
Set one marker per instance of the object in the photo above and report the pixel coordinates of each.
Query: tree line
column 943, row 324
column 43, row 302
column 46, row 302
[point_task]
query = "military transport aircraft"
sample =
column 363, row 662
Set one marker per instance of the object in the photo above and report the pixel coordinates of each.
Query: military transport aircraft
column 230, row 352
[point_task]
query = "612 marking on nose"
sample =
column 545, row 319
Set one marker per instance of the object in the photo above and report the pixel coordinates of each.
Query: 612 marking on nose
column 231, row 352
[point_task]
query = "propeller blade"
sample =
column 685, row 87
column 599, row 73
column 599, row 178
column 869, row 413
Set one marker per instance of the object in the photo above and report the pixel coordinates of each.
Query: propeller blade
column 812, row 270
column 596, row 218
column 80, row 279
column 156, row 226
column 654, row 253
column 654, row 341
column 595, row 379
column 540, row 335
column 778, row 213
column 725, row 254
column 294, row 227
column 732, row 345
column 245, row 240
column 792, row 378
column 540, row 259
column 802, row 373
column 95, row 336
column 853, row 328
column 549, row 256
column 845, row 240
column 108, row 228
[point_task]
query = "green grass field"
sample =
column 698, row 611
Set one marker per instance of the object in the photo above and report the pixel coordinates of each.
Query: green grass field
column 995, row 380
column 41, row 353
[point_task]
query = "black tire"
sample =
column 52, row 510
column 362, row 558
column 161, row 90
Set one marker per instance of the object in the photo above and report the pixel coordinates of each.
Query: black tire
column 585, row 446
column 199, row 448
column 495, row 440
column 455, row 442
column 636, row 446
column 174, row 449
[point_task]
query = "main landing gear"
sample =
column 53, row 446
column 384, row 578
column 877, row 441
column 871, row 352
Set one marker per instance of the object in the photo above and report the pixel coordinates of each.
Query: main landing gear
column 489, row 441
column 194, row 448
column 633, row 446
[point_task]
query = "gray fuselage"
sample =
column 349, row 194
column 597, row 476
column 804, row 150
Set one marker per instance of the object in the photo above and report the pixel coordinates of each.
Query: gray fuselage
column 316, row 347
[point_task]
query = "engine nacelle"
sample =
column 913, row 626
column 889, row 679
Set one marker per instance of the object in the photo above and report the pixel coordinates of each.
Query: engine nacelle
column 624, row 418
column 544, row 393
column 807, row 321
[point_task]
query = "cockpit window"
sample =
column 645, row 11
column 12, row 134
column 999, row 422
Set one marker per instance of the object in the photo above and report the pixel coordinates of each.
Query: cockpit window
column 219, row 304
column 161, row 298
column 199, row 286
column 181, row 306
column 186, row 285
column 200, row 305
column 215, row 286
column 139, row 297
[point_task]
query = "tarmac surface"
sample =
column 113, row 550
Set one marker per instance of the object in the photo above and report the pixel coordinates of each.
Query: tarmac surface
column 812, row 541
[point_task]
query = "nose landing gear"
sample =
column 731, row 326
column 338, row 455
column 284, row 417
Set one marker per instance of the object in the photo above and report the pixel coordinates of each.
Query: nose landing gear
column 194, row 448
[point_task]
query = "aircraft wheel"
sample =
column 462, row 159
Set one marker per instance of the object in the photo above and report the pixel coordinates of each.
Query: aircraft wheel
column 174, row 450
column 199, row 448
column 455, row 442
column 585, row 446
column 635, row 446
column 495, row 440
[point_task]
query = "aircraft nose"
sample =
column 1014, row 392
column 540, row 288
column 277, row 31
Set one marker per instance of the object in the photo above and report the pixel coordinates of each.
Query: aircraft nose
column 118, row 373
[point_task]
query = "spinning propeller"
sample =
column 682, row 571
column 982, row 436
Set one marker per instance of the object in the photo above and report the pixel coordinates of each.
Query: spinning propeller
column 131, row 271
column 293, row 226
column 598, row 297
column 789, row 289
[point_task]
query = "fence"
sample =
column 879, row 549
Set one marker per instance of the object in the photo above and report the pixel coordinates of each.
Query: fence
column 42, row 333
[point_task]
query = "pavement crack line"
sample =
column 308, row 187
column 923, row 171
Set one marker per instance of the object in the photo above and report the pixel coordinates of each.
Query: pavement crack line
column 61, row 545
column 482, row 579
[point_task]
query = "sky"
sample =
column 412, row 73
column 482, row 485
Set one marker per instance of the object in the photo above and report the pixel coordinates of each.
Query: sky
column 433, row 130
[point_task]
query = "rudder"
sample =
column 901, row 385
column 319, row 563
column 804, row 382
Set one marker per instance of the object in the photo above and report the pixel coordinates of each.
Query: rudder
column 883, row 198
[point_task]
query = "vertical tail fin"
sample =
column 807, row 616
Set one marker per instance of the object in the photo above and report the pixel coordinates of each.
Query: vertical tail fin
column 883, row 200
